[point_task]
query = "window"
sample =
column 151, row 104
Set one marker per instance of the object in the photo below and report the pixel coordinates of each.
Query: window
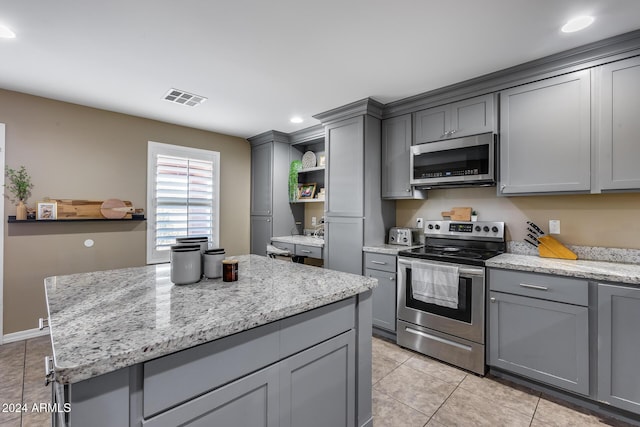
column 183, row 187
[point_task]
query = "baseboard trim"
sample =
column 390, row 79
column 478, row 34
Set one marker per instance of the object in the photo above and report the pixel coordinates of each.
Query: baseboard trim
column 24, row 335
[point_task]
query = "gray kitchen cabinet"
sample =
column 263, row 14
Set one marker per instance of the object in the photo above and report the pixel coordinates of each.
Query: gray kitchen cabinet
column 396, row 150
column 384, row 298
column 463, row 118
column 355, row 214
column 317, row 386
column 345, row 169
column 545, row 136
column 343, row 244
column 538, row 337
column 271, row 212
column 619, row 346
column 261, row 233
column 618, row 124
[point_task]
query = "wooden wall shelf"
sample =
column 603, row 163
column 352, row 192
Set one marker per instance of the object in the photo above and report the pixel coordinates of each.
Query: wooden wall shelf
column 12, row 220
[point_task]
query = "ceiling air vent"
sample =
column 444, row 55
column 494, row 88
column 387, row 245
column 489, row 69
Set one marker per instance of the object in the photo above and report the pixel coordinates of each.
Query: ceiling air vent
column 185, row 98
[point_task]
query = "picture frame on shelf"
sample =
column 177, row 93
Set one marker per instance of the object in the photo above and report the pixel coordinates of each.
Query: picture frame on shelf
column 47, row 211
column 306, row 191
column 321, row 160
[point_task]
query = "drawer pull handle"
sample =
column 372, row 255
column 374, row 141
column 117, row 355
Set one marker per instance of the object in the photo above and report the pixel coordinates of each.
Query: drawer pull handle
column 305, row 251
column 378, row 262
column 540, row 288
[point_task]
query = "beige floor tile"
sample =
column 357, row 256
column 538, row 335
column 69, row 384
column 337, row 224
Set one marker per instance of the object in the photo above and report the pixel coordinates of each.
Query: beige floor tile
column 434, row 423
column 552, row 414
column 388, row 412
column 436, row 369
column 465, row 408
column 381, row 367
column 510, row 396
column 10, row 420
column 420, row 391
column 390, row 350
column 36, row 419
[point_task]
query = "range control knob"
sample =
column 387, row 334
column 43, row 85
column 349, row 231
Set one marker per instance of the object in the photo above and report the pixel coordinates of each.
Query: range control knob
column 430, row 226
column 404, row 239
column 494, row 229
column 486, row 229
column 478, row 228
column 392, row 239
column 437, row 227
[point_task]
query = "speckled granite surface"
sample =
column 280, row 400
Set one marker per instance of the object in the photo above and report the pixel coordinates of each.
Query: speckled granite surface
column 593, row 253
column 300, row 240
column 586, row 269
column 387, row 249
column 103, row 321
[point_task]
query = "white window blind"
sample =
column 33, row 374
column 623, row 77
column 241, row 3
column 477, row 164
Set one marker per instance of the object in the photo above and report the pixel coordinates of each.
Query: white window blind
column 182, row 197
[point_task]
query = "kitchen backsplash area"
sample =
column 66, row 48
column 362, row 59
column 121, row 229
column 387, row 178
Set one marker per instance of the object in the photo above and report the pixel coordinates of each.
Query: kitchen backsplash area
column 596, row 220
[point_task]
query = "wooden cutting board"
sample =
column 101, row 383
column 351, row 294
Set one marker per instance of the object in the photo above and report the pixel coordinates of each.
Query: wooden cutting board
column 458, row 214
column 83, row 209
column 115, row 209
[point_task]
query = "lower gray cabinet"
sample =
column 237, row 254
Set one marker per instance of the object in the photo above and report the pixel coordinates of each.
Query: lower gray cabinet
column 261, row 233
column 317, row 386
column 543, row 340
column 249, row 402
column 619, row 346
column 384, row 299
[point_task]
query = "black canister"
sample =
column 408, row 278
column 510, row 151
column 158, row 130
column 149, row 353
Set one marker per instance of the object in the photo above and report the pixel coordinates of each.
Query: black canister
column 230, row 270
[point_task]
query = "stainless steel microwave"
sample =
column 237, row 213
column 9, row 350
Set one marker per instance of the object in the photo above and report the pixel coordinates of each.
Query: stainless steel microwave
column 459, row 162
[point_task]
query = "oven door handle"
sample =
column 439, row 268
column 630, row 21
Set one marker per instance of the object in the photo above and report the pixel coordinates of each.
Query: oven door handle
column 463, row 271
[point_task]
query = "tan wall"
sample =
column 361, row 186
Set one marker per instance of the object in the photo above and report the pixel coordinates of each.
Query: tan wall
column 78, row 152
column 609, row 220
column 311, row 210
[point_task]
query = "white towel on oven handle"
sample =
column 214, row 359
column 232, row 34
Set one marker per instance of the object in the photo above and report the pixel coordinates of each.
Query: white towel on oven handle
column 435, row 283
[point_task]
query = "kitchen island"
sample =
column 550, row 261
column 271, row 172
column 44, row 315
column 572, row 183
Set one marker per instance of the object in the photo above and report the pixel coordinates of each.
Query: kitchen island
column 287, row 344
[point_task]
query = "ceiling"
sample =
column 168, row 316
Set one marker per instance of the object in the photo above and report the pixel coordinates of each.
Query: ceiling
column 259, row 62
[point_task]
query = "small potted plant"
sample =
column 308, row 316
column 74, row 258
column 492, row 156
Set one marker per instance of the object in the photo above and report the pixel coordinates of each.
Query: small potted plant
column 20, row 186
column 474, row 215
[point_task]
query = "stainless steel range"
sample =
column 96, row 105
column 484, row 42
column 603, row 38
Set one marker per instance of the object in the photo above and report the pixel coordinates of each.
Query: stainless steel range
column 441, row 291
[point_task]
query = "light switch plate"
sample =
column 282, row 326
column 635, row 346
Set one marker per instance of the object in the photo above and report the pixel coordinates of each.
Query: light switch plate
column 419, row 223
column 554, row 226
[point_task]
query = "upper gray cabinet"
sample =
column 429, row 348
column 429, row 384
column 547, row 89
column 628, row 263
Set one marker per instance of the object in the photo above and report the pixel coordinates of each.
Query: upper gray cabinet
column 468, row 117
column 396, row 146
column 261, row 179
column 545, row 136
column 619, row 127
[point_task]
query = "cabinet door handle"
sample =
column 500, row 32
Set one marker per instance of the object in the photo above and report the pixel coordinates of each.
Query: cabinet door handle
column 408, row 190
column 392, row 278
column 48, row 370
column 378, row 262
column 268, row 211
column 451, row 132
column 502, row 187
column 268, row 220
column 43, row 323
column 540, row 288
column 492, row 299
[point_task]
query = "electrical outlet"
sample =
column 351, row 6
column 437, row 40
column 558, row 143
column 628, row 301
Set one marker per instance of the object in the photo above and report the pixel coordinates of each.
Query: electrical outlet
column 419, row 222
column 554, row 226
column 314, row 221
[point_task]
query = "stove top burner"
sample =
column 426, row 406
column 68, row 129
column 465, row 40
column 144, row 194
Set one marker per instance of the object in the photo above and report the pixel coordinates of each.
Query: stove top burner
column 460, row 255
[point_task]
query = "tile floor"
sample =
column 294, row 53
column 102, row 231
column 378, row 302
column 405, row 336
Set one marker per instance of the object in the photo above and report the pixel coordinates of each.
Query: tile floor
column 22, row 381
column 409, row 390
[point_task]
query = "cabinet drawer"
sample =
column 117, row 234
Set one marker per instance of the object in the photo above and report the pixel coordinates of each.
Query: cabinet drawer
column 310, row 251
column 284, row 246
column 552, row 288
column 380, row 262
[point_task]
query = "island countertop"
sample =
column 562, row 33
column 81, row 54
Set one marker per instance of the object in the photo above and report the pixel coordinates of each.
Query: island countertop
column 102, row 321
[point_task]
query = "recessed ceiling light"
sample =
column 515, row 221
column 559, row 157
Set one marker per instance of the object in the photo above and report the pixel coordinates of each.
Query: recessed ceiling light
column 296, row 119
column 577, row 24
column 6, row 33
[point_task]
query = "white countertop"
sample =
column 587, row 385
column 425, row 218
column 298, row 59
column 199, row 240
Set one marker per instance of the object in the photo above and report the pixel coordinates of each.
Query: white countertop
column 300, row 240
column 592, row 270
column 387, row 249
column 107, row 320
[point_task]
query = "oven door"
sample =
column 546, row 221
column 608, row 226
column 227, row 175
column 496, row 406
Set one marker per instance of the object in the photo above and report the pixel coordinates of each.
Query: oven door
column 456, row 162
column 466, row 321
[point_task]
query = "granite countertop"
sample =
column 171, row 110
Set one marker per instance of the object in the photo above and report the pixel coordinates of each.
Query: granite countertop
column 300, row 240
column 586, row 269
column 103, row 321
column 388, row 249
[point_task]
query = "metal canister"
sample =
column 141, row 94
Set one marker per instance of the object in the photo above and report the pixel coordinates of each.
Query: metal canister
column 230, row 270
